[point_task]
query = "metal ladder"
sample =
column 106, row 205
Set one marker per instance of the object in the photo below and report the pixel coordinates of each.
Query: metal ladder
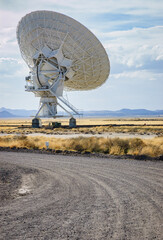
column 66, row 102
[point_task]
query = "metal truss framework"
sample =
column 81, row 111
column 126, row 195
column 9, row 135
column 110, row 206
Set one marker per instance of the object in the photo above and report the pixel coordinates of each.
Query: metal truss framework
column 60, row 52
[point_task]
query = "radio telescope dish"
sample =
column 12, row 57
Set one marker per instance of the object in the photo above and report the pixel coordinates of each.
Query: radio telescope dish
column 61, row 54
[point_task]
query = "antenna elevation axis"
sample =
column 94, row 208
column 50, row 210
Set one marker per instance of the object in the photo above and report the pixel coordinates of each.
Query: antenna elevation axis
column 61, row 54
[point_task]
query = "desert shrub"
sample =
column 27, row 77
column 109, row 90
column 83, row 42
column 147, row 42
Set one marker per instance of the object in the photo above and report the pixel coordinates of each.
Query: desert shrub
column 93, row 144
column 20, row 137
column 28, row 143
column 82, row 144
column 151, row 147
column 119, row 146
column 21, row 141
column 151, row 150
column 5, row 139
column 105, row 145
column 136, row 145
column 74, row 144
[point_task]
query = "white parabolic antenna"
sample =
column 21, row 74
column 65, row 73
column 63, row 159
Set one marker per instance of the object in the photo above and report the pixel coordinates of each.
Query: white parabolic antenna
column 61, row 54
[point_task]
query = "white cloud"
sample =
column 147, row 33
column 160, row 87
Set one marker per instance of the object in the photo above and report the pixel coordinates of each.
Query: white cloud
column 8, row 43
column 140, row 75
column 136, row 47
column 137, row 7
column 9, row 18
column 13, row 68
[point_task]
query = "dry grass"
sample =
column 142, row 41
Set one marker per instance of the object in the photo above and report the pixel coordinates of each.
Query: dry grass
column 140, row 126
column 115, row 146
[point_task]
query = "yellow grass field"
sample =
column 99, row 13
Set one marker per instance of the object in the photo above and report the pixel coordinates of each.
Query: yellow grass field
column 116, row 146
column 91, row 125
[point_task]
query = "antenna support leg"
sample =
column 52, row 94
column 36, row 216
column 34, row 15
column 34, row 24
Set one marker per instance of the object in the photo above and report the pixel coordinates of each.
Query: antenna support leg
column 36, row 123
column 72, row 122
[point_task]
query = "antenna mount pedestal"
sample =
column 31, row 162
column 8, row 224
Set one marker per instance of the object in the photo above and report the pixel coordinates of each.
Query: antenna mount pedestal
column 47, row 79
column 61, row 53
column 36, row 123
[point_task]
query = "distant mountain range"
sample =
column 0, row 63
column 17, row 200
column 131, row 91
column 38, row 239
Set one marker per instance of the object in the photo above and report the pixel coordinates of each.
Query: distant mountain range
column 13, row 113
column 124, row 113
column 5, row 114
column 16, row 112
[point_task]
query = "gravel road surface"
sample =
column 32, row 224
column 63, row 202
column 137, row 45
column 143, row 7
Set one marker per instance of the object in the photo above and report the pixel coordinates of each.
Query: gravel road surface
column 76, row 135
column 82, row 198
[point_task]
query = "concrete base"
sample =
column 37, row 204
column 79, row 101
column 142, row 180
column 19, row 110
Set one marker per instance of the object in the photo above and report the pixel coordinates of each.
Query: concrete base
column 72, row 122
column 36, row 123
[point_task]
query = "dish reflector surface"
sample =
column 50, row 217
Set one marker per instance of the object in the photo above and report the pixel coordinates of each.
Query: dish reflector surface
column 47, row 32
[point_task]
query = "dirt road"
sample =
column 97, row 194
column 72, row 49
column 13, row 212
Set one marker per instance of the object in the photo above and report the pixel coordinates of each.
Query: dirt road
column 76, row 135
column 83, row 198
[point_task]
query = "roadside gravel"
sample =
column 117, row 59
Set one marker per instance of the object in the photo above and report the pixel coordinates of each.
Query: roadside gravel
column 76, row 197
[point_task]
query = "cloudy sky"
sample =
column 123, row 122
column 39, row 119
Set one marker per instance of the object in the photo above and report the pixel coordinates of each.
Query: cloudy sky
column 130, row 31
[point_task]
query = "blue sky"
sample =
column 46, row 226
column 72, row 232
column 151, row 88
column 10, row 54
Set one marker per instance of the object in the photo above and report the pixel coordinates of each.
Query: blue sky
column 130, row 31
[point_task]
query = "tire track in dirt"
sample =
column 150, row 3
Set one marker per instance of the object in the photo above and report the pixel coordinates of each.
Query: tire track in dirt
column 86, row 198
column 132, row 204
